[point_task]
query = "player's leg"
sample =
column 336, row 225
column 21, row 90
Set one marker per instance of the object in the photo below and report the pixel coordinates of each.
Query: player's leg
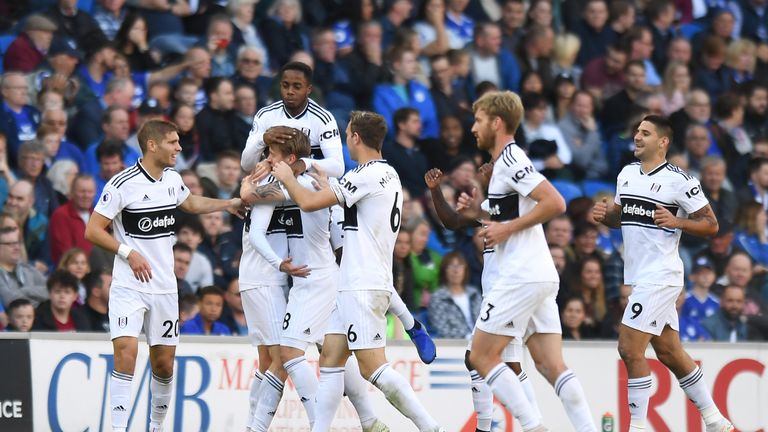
column 356, row 389
column 425, row 346
column 270, row 393
column 330, row 390
column 482, row 396
column 512, row 356
column 161, row 325
column 670, row 351
column 265, row 360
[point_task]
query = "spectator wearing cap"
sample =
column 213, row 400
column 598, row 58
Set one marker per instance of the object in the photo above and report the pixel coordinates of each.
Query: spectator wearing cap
column 34, row 225
column 214, row 120
column 535, row 53
column 27, row 52
column 99, row 61
column 593, row 30
column 85, row 127
column 76, row 24
column 579, row 128
column 18, row 119
column 149, row 109
column 67, row 227
column 109, row 14
column 488, row 62
column 115, row 126
column 699, row 302
column 58, row 72
column 18, row 279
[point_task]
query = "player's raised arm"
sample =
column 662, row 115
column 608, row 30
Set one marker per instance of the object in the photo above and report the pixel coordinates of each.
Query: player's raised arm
column 450, row 218
column 251, row 194
column 607, row 213
column 306, row 199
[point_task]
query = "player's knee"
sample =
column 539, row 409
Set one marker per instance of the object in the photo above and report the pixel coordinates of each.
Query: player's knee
column 467, row 364
column 479, row 362
column 630, row 354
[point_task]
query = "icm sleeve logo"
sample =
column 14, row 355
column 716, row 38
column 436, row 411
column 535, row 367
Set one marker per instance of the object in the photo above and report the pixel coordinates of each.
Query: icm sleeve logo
column 329, row 134
column 520, row 174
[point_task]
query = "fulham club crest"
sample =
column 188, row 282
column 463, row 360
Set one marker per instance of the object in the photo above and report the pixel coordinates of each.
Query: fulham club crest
column 122, row 322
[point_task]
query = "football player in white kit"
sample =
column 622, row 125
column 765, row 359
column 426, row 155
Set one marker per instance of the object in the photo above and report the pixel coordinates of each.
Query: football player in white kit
column 311, row 299
column 371, row 196
column 482, row 396
column 139, row 204
column 655, row 203
column 521, row 304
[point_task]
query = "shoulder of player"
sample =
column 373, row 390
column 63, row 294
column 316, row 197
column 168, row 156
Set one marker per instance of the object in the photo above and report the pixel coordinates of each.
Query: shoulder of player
column 511, row 157
column 269, row 108
column 677, row 173
column 318, row 112
column 124, row 176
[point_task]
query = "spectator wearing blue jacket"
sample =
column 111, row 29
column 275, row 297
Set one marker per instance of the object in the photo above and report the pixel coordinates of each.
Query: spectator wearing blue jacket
column 405, row 91
column 488, row 62
column 18, row 119
column 207, row 320
column 750, row 234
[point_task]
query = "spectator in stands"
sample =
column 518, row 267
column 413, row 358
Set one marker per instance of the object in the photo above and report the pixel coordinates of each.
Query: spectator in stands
column 232, row 314
column 110, row 156
column 459, row 26
column 449, row 100
column 396, row 12
column 404, row 152
column 18, row 279
column 488, row 62
column 75, row 261
column 724, row 202
column 189, row 307
column 712, row 74
column 366, row 63
column 58, row 72
column 7, row 177
column 756, row 188
column 752, row 22
column 622, row 16
column 245, row 108
column 219, row 45
column 27, row 52
column 31, row 163
column 67, row 227
column 699, row 302
column 639, row 41
column 109, row 14
column 661, row 18
column 696, row 147
column 192, row 181
column 131, row 40
column 18, row 119
column 215, row 120
column 730, row 137
column 756, row 111
column 424, row 262
column 604, row 76
column 49, row 99
column 245, row 35
column 740, row 59
column 182, row 257
column 540, row 12
column 115, row 126
column 207, row 321
column 58, row 314
column 227, row 173
column 76, row 24
column 680, row 51
column 21, row 315
column 434, row 38
column 199, row 71
column 20, row 206
column 750, row 233
column 329, row 76
column 585, row 242
column 546, row 145
column 697, row 110
column 200, row 273
column 283, row 32
column 56, row 118
column 184, row 117
column 579, row 128
column 57, row 149
column 559, row 232
column 61, row 174
column 588, row 285
column 86, row 128
column 444, row 152
column 593, row 30
column 250, row 65
column 97, row 301
column 739, row 271
column 566, row 48
column 574, row 318
column 220, row 247
column 627, row 101
column 402, row 272
column 675, row 87
column 512, row 24
column 405, row 91
column 728, row 324
column 99, row 61
column 534, row 55
column 455, row 305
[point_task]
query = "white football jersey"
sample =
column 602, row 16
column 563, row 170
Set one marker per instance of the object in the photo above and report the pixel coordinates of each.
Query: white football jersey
column 650, row 252
column 315, row 121
column 143, row 213
column 524, row 256
column 254, row 268
column 490, row 269
column 372, row 198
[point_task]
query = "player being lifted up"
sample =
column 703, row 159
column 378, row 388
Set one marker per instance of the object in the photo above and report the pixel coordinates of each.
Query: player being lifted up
column 482, row 396
column 655, row 203
column 359, row 324
column 139, row 204
column 311, row 299
column 521, row 304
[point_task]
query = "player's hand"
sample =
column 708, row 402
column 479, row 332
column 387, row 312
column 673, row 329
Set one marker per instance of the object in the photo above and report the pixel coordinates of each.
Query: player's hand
column 278, row 135
column 140, row 266
column 468, row 205
column 261, row 171
column 494, row 233
column 237, row 207
column 282, row 171
column 484, row 174
column 600, row 210
column 664, row 218
column 320, row 178
column 433, row 178
column 247, row 186
column 294, row 270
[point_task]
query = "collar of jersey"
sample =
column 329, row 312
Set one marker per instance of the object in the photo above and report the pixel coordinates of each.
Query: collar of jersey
column 653, row 171
column 304, row 111
column 146, row 173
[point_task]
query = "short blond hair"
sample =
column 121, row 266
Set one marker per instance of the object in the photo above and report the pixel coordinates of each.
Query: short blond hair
column 566, row 48
column 736, row 49
column 505, row 105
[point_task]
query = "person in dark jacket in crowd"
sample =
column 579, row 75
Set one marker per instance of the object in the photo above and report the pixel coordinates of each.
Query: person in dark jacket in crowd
column 57, row 314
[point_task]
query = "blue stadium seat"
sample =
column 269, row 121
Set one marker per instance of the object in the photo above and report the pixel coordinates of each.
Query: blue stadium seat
column 567, row 189
column 593, row 187
column 5, row 42
column 85, row 5
column 690, row 30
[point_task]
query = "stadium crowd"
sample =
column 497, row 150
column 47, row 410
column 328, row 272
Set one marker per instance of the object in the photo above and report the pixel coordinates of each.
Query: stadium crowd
column 80, row 77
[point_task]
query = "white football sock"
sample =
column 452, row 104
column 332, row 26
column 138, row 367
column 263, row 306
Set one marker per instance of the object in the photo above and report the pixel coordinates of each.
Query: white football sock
column 161, row 397
column 697, row 391
column 482, row 399
column 120, row 399
column 305, row 380
column 397, row 306
column 529, row 393
column 506, row 386
column 568, row 389
column 253, row 397
column 356, row 388
column 329, row 394
column 269, row 398
column 638, row 394
column 400, row 394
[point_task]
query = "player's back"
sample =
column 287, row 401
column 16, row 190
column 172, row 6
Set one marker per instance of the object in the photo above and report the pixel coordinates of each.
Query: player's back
column 372, row 213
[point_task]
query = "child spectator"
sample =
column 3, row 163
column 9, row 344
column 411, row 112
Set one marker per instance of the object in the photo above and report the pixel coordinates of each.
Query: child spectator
column 97, row 302
column 188, row 308
column 57, row 314
column 424, row 262
column 207, row 321
column 699, row 302
column 21, row 314
column 75, row 261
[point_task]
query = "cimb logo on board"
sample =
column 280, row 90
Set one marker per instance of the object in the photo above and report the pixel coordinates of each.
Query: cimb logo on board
column 11, row 409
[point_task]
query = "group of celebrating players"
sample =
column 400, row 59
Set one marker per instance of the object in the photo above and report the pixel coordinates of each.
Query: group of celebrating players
column 299, row 217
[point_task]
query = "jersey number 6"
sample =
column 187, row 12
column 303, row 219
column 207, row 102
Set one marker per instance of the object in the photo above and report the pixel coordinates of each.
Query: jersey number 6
column 394, row 217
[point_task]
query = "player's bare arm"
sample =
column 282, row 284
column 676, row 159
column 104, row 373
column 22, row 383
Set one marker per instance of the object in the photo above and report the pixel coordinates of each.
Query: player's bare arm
column 468, row 206
column 252, row 194
column 607, row 213
column 96, row 233
column 549, row 203
column 702, row 223
column 450, row 218
column 306, row 199
column 200, row 205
